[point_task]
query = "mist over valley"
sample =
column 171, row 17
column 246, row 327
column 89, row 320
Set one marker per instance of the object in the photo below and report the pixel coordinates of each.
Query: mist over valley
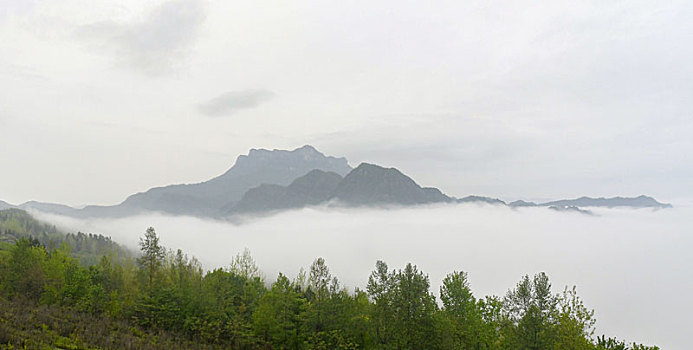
column 625, row 262
column 305, row 175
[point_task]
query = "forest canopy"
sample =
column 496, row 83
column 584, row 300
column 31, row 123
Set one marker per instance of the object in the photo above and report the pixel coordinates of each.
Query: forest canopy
column 164, row 299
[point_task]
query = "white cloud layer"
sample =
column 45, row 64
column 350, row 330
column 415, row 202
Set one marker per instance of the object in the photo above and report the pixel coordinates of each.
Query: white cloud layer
column 632, row 266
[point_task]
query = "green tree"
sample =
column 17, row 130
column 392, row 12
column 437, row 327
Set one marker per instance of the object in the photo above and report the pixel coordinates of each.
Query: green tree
column 414, row 308
column 462, row 311
column 244, row 265
column 404, row 309
column 380, row 288
column 151, row 309
column 152, row 257
column 319, row 281
column 573, row 322
column 530, row 307
column 229, row 303
column 277, row 319
column 26, row 274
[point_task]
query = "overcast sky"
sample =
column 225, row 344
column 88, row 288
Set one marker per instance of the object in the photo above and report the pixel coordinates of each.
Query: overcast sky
column 101, row 99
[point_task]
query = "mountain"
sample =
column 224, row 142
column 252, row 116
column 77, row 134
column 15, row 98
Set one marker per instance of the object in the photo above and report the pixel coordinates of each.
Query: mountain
column 368, row 184
column 572, row 209
column 480, row 199
column 311, row 189
column 213, row 197
column 54, row 208
column 371, row 184
column 5, row 205
column 521, row 203
column 265, row 180
column 633, row 202
column 16, row 223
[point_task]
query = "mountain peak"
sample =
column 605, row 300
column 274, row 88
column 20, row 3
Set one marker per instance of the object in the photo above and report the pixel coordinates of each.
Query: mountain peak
column 216, row 196
column 305, row 157
column 372, row 169
column 372, row 184
column 307, row 149
column 641, row 201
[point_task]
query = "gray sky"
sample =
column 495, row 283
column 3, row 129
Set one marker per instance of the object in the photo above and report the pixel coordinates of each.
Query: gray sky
column 101, row 99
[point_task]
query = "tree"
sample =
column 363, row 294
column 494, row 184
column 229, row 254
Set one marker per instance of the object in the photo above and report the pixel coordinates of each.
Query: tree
column 325, row 300
column 404, row 310
column 574, row 323
column 531, row 307
column 277, row 318
column 152, row 256
column 244, row 265
column 414, row 308
column 380, row 289
column 461, row 310
column 26, row 274
column 319, row 279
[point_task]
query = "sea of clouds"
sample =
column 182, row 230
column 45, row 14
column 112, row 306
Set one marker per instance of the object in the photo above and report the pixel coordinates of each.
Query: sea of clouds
column 633, row 266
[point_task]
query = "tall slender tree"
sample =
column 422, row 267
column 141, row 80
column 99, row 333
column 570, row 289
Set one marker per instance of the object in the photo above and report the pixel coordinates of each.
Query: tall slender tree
column 152, row 257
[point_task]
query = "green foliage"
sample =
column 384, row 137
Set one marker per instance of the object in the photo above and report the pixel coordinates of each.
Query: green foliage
column 463, row 314
column 530, row 307
column 277, row 319
column 604, row 343
column 244, row 265
column 51, row 299
column 404, row 310
column 88, row 248
column 152, row 257
column 25, row 274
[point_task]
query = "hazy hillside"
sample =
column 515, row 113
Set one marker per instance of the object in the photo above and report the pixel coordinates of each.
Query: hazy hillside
column 213, row 197
column 366, row 185
column 313, row 188
column 88, row 248
column 632, row 202
column 48, row 207
column 481, row 199
column 635, row 202
column 265, row 181
column 371, row 184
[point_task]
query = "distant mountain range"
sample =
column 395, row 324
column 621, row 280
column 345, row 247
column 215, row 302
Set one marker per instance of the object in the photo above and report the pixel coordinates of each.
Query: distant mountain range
column 5, row 205
column 613, row 202
column 367, row 185
column 266, row 181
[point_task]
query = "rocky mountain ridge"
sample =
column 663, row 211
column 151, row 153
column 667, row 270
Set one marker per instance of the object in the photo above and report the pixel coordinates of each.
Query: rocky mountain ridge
column 268, row 181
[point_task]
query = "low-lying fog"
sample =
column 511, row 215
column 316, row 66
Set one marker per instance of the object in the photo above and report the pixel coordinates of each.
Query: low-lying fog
column 632, row 266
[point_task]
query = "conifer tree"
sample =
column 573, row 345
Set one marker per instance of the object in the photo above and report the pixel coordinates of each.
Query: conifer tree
column 152, row 256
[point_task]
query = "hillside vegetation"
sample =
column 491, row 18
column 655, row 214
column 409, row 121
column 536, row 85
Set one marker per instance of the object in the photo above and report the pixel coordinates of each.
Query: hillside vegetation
column 164, row 300
column 88, row 248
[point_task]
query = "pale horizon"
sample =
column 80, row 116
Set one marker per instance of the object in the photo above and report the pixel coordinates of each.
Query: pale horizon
column 508, row 101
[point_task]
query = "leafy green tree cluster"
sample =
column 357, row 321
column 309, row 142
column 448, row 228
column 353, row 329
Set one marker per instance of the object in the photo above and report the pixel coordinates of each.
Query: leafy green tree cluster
column 16, row 223
column 167, row 295
column 467, row 323
column 88, row 248
column 404, row 309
